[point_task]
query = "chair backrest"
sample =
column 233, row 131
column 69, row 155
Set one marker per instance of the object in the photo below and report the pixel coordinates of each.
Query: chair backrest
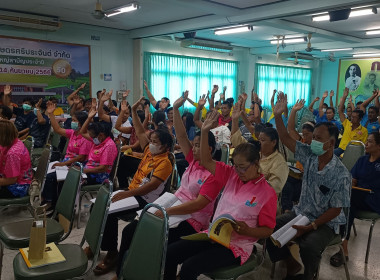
column 29, row 144
column 66, row 200
column 43, row 165
column 54, row 139
column 65, row 149
column 93, row 233
column 289, row 155
column 225, row 153
column 146, row 255
column 115, row 165
column 354, row 150
column 168, row 182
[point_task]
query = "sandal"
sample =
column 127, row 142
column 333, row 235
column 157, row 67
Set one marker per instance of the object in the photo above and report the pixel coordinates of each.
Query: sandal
column 106, row 265
column 337, row 259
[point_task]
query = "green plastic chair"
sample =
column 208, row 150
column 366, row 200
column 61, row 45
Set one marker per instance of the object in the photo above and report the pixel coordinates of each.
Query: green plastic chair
column 76, row 264
column 235, row 271
column 145, row 258
column 354, row 150
column 16, row 235
column 225, row 154
column 29, row 144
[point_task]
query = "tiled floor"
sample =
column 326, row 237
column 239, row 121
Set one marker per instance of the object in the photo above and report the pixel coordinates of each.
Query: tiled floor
column 358, row 269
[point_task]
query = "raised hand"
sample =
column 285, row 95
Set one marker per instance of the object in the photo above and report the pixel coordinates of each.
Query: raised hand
column 137, row 104
column 82, row 86
column 126, row 93
column 146, row 86
column 7, row 90
column 202, row 100
column 274, row 92
column 224, row 89
column 76, row 99
column 255, row 97
column 325, row 94
column 124, row 105
column 299, row 105
column 215, row 89
column 350, row 98
column 345, row 92
column 180, row 101
column 92, row 113
column 375, row 92
column 253, row 90
column 107, row 96
column 316, row 99
column 281, row 104
column 211, row 120
column 94, row 103
column 237, row 109
column 331, row 93
column 50, row 107
column 38, row 104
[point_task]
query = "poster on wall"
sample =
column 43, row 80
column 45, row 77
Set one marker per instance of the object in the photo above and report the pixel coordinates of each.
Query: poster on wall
column 43, row 69
column 360, row 76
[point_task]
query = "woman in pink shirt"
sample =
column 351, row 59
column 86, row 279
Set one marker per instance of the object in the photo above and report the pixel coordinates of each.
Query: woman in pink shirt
column 15, row 165
column 77, row 150
column 247, row 197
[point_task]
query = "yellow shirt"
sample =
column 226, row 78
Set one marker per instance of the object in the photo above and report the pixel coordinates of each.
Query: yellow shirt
column 359, row 134
column 58, row 111
column 204, row 111
column 247, row 110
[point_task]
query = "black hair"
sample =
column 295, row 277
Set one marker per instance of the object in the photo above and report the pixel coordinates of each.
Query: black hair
column 164, row 137
column 100, row 127
column 106, row 109
column 189, row 120
column 332, row 129
column 211, row 143
column 114, row 102
column 167, row 99
column 53, row 99
column 259, row 128
column 331, row 108
column 169, row 109
column 98, row 92
column 216, row 103
column 227, row 103
column 360, row 112
column 374, row 108
column 358, row 71
column 273, row 135
column 88, row 100
column 146, row 102
column 359, row 103
column 43, row 105
column 159, row 117
column 249, row 151
column 266, row 125
column 141, row 115
column 28, row 99
column 308, row 127
column 376, row 135
column 6, row 112
column 81, row 117
column 325, row 104
column 230, row 100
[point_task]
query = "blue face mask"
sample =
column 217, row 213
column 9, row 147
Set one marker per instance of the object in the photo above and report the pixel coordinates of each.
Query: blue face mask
column 317, row 148
column 35, row 111
column 74, row 125
column 96, row 141
column 26, row 107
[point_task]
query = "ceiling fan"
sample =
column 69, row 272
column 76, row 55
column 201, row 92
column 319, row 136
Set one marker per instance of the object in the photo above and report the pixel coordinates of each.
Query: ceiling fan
column 309, row 48
column 331, row 57
column 296, row 62
column 98, row 12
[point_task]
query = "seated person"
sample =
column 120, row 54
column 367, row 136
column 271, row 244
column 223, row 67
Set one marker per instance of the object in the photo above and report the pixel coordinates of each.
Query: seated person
column 40, row 127
column 24, row 117
column 369, row 120
column 292, row 189
column 353, row 130
column 5, row 112
column 162, row 105
column 365, row 175
column 243, row 185
column 328, row 114
column 284, row 116
column 58, row 110
column 315, row 111
column 77, row 150
column 197, row 191
column 146, row 186
column 15, row 165
column 323, row 195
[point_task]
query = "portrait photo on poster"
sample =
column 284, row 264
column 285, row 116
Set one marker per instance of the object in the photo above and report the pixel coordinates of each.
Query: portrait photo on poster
column 353, row 77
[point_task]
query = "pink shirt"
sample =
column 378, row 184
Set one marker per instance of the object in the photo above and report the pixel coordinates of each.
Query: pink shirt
column 103, row 154
column 254, row 203
column 78, row 145
column 197, row 180
column 15, row 162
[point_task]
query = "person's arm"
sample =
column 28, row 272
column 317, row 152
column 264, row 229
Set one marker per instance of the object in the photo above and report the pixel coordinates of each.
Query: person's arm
column 351, row 104
column 147, row 118
column 140, row 131
column 151, row 98
column 292, row 120
column 191, row 101
column 223, row 96
column 377, row 102
column 311, row 106
column 366, row 102
column 40, row 119
column 279, row 108
column 7, row 97
column 189, row 207
column 83, row 130
column 197, row 113
column 8, row 181
column 342, row 116
column 212, row 99
column 50, row 107
column 97, row 169
column 78, row 158
column 272, row 99
column 70, row 98
column 256, row 108
column 331, row 99
column 320, row 110
column 235, row 117
column 206, row 158
column 119, row 122
column 246, row 122
column 103, row 116
column 179, row 127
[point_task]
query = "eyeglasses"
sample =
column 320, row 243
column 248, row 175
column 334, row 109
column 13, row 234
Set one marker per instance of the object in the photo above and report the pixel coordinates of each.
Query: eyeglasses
column 241, row 170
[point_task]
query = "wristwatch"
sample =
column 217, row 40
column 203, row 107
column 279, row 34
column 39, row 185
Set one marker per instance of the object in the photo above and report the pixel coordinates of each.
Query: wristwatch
column 314, row 225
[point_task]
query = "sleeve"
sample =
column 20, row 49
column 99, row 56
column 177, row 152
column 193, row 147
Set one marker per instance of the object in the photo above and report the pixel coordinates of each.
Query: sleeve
column 109, row 154
column 157, row 107
column 357, row 167
column 85, row 148
column 113, row 120
column 278, row 175
column 341, row 196
column 163, row 169
column 12, row 166
column 204, row 112
column 345, row 123
column 267, row 215
column 222, row 173
column 189, row 157
column 303, row 152
column 210, row 188
column 237, row 138
column 365, row 134
column 191, row 134
column 69, row 133
column 316, row 112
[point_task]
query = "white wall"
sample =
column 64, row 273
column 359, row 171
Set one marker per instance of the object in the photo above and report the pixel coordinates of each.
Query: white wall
column 112, row 54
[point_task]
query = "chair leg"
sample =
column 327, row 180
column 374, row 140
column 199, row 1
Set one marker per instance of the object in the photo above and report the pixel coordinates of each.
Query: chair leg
column 79, row 208
column 354, row 227
column 369, row 241
column 273, row 270
column 344, row 262
column 1, row 256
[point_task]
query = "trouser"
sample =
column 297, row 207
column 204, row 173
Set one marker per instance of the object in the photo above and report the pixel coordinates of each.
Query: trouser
column 311, row 244
column 5, row 193
column 183, row 229
column 127, row 168
column 290, row 193
column 110, row 235
column 197, row 257
column 50, row 192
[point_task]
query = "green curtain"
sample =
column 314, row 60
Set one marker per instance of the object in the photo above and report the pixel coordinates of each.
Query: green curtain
column 169, row 75
column 294, row 81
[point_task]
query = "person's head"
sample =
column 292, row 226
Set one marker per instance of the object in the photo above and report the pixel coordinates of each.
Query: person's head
column 226, row 109
column 43, row 106
column 373, row 143
column 188, row 120
column 99, row 132
column 141, row 115
column 53, row 100
column 27, row 104
column 349, row 112
column 372, row 78
column 246, row 161
column 78, row 119
column 330, row 113
column 5, row 112
column 170, row 113
column 231, row 101
column 8, row 133
column 145, row 102
column 87, row 105
column 353, row 70
column 373, row 113
column 269, row 141
column 159, row 117
column 81, row 104
column 126, row 114
column 325, row 136
column 324, row 107
column 98, row 94
column 160, row 141
column 356, row 117
column 307, row 132
column 357, row 107
column 164, row 103
column 215, row 124
column 140, row 107
column 211, row 146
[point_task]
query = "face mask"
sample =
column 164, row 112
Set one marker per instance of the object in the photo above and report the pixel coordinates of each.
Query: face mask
column 154, row 149
column 106, row 103
column 115, row 131
column 96, row 141
column 324, row 110
column 35, row 111
column 26, row 107
column 74, row 125
column 317, row 148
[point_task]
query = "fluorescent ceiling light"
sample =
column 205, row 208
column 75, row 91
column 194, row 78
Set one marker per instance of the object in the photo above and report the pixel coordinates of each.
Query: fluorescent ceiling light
column 289, row 41
column 237, row 29
column 354, row 13
column 337, row 50
column 124, row 9
column 324, row 17
column 372, row 32
column 366, row 55
column 214, row 49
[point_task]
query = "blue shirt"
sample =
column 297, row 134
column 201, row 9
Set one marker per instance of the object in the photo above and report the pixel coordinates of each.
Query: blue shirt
column 368, row 175
column 324, row 119
column 324, row 189
column 284, row 119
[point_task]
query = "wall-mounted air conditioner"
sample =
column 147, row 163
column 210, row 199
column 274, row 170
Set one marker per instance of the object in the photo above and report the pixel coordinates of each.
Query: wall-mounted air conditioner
column 30, row 21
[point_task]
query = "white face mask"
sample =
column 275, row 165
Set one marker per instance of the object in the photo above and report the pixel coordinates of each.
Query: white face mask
column 106, row 103
column 324, row 110
column 154, row 149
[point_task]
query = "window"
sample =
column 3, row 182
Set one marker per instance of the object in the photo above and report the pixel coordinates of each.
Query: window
column 293, row 81
column 168, row 75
